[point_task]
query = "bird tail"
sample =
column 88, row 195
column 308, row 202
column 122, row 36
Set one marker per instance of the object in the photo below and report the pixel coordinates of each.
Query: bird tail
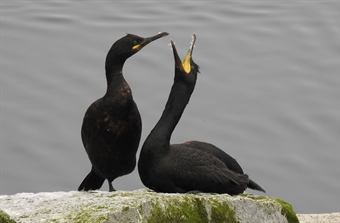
column 244, row 180
column 240, row 186
column 91, row 182
column 255, row 186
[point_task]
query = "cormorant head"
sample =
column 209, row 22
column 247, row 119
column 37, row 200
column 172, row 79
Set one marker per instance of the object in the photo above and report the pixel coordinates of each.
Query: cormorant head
column 126, row 46
column 186, row 68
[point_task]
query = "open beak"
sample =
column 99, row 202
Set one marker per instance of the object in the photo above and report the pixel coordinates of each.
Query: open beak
column 186, row 64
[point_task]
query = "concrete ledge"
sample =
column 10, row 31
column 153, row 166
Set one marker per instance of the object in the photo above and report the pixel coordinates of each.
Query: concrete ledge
column 319, row 218
column 143, row 206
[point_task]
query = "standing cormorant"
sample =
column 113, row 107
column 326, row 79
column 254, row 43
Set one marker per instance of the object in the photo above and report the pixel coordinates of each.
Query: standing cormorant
column 191, row 166
column 112, row 125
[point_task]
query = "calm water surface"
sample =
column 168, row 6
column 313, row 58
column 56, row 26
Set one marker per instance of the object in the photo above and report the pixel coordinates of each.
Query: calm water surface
column 268, row 92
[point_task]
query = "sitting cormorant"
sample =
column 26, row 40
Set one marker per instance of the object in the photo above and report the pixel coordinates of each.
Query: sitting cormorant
column 191, row 166
column 112, row 125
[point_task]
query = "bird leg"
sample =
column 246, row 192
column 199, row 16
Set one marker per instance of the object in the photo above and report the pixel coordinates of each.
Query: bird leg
column 111, row 187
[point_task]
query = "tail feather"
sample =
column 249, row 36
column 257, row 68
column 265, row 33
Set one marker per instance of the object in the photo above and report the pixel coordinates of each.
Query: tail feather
column 240, row 186
column 91, row 182
column 255, row 186
column 244, row 180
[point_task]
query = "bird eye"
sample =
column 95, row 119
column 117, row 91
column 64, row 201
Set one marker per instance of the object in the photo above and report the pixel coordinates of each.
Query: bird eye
column 135, row 42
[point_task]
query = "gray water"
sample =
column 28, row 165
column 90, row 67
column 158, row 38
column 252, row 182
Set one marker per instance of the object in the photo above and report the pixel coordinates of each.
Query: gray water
column 268, row 92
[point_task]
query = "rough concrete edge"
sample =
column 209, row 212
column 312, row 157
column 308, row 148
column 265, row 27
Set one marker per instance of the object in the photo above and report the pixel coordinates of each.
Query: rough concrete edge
column 194, row 208
column 207, row 207
column 197, row 209
column 5, row 218
column 286, row 211
column 319, row 218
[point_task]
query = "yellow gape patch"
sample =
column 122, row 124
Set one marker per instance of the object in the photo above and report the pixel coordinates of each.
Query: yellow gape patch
column 186, row 63
column 136, row 47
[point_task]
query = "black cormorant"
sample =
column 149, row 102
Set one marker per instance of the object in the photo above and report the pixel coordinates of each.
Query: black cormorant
column 191, row 166
column 112, row 125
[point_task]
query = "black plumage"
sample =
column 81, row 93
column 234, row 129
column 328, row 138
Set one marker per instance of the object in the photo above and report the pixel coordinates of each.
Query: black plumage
column 229, row 161
column 191, row 166
column 112, row 125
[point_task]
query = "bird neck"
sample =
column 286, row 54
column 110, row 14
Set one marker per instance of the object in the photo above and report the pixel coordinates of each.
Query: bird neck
column 113, row 71
column 117, row 87
column 178, row 99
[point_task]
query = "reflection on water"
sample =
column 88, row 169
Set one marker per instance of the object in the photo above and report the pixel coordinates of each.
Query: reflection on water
column 267, row 93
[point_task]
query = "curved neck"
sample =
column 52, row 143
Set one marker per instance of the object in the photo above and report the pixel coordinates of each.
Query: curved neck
column 178, row 99
column 112, row 72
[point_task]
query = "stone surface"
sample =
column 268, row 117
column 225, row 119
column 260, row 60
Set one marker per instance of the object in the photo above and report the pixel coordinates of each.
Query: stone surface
column 319, row 218
column 143, row 206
